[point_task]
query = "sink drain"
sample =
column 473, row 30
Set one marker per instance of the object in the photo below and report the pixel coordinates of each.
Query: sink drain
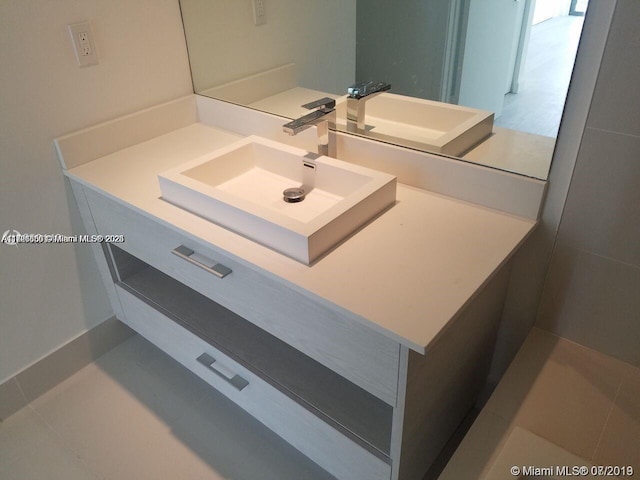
column 294, row 195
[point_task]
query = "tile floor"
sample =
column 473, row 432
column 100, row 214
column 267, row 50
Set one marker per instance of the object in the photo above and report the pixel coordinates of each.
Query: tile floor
column 136, row 414
column 578, row 399
column 537, row 107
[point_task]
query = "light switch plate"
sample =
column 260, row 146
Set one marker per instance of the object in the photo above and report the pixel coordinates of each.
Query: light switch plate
column 83, row 44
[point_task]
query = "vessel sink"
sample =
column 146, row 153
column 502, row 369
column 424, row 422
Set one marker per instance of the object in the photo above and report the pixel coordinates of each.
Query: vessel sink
column 240, row 187
column 422, row 124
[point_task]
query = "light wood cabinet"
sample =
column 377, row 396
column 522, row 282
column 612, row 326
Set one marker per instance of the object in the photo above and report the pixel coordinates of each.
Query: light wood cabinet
column 365, row 361
column 357, row 402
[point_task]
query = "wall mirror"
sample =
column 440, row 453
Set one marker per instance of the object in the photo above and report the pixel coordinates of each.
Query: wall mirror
column 480, row 80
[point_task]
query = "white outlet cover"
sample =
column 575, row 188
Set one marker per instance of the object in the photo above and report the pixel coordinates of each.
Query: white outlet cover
column 84, row 45
column 259, row 12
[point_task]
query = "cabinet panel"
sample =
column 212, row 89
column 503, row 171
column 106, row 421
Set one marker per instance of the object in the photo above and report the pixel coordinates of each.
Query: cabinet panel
column 348, row 408
column 319, row 441
column 349, row 348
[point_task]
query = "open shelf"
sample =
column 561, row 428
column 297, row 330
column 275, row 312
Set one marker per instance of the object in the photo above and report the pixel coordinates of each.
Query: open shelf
column 345, row 406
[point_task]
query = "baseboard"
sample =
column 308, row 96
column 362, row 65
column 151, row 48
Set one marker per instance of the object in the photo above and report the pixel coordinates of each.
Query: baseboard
column 29, row 384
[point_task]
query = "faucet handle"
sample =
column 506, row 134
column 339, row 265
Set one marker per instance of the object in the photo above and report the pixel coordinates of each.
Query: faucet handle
column 363, row 89
column 324, row 104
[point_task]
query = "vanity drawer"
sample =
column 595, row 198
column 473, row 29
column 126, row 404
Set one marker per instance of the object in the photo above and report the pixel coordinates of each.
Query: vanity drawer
column 347, row 347
column 316, row 439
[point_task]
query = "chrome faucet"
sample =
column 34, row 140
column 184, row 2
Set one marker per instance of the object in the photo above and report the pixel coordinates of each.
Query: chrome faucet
column 323, row 114
column 357, row 95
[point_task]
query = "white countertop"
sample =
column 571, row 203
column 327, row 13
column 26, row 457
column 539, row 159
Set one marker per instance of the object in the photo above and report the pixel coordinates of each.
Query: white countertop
column 514, row 151
column 406, row 274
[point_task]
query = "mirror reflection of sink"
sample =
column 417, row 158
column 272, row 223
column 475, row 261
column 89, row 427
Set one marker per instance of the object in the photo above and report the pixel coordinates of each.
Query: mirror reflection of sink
column 423, row 124
column 241, row 188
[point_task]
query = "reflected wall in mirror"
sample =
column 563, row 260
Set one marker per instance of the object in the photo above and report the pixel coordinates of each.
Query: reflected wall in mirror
column 481, row 80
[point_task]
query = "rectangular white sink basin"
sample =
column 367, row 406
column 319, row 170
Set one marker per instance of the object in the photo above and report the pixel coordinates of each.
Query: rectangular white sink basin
column 423, row 124
column 240, row 187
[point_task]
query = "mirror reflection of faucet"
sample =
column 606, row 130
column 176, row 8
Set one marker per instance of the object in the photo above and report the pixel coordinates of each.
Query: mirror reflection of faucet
column 357, row 95
column 322, row 115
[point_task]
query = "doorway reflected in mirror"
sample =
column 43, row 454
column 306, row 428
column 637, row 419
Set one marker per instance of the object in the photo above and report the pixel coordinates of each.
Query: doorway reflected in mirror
column 537, row 105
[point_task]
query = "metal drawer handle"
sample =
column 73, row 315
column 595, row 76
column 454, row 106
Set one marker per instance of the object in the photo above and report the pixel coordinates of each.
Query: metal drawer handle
column 201, row 261
column 236, row 380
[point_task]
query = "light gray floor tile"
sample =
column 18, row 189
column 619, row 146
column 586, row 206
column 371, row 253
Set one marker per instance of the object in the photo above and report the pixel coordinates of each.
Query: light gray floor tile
column 578, row 399
column 20, row 433
column 476, row 454
column 560, row 391
column 30, row 450
column 620, row 442
column 135, row 413
column 537, row 107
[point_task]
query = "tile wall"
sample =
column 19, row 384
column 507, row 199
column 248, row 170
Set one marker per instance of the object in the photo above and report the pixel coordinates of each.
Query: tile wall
column 592, row 292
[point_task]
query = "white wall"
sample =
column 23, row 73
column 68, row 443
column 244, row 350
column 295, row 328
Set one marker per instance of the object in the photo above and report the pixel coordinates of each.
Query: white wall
column 51, row 294
column 318, row 36
column 546, row 9
column 491, row 42
column 592, row 293
column 532, row 260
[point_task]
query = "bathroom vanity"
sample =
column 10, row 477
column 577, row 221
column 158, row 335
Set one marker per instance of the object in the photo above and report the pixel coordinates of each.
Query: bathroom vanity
column 365, row 360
